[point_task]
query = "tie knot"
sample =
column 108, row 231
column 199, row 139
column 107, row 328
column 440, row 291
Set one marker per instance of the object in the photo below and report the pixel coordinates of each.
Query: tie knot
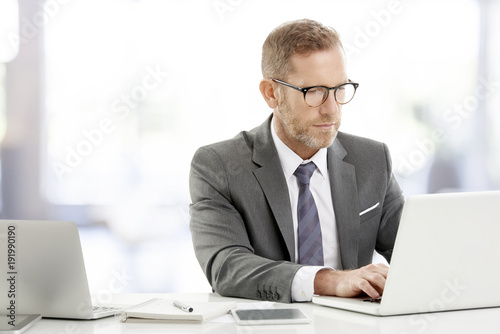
column 304, row 172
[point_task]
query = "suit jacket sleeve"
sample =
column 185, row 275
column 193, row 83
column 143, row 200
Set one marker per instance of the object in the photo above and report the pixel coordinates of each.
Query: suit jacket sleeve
column 391, row 213
column 237, row 261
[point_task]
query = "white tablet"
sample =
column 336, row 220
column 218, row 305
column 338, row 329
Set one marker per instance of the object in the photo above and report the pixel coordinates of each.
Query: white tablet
column 18, row 323
column 275, row 316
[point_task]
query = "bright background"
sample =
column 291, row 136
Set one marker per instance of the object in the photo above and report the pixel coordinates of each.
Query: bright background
column 106, row 102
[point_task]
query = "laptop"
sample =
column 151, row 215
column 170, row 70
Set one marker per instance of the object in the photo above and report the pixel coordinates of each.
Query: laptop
column 43, row 271
column 445, row 258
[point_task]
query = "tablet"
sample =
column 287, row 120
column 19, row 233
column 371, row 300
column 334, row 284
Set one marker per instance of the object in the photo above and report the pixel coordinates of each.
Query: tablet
column 18, row 323
column 275, row 316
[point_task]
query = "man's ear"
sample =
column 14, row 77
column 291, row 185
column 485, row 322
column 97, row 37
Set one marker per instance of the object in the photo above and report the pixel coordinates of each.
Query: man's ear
column 268, row 92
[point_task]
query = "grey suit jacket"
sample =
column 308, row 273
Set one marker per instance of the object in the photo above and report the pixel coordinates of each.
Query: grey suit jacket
column 241, row 220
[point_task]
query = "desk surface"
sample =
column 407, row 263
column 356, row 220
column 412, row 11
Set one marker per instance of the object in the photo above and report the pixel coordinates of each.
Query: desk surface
column 324, row 320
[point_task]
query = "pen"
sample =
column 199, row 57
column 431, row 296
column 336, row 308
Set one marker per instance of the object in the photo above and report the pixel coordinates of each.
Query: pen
column 184, row 307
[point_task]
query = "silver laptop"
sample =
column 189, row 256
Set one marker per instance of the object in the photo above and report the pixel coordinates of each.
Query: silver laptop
column 43, row 271
column 445, row 257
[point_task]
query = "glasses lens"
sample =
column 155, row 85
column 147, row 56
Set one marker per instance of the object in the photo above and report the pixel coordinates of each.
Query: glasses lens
column 345, row 93
column 316, row 96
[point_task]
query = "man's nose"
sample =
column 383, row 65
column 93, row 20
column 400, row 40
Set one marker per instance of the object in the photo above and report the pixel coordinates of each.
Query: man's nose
column 330, row 106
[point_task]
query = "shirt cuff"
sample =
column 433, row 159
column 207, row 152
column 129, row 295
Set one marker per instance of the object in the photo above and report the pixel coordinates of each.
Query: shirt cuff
column 303, row 283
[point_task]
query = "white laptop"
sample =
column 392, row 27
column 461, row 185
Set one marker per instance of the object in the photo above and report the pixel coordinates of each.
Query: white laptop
column 43, row 271
column 445, row 257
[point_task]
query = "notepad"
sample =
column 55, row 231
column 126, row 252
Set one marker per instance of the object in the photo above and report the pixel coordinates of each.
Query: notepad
column 163, row 310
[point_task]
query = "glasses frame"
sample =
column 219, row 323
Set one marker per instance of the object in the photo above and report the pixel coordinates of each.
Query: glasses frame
column 328, row 89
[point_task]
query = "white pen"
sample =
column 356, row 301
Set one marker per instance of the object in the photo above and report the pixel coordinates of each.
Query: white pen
column 182, row 306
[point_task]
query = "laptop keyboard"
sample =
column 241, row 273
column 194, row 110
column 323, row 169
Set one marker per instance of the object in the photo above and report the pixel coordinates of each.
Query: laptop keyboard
column 373, row 300
column 103, row 309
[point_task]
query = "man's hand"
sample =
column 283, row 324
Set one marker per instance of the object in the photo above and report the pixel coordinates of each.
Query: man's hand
column 369, row 279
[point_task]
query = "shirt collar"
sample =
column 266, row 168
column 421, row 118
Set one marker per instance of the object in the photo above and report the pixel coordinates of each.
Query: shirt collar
column 290, row 160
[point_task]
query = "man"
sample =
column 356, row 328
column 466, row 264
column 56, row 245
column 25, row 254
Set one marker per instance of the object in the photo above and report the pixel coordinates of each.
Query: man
column 295, row 207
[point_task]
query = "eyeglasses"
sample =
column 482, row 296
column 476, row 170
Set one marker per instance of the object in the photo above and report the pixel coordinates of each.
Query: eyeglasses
column 315, row 96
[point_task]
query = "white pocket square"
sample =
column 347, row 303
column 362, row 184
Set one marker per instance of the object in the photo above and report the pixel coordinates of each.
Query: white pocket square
column 369, row 209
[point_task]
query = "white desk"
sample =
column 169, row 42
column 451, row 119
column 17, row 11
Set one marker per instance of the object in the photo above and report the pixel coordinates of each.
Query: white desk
column 325, row 320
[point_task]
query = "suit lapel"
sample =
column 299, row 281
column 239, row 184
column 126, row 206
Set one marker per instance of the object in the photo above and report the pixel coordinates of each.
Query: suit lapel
column 345, row 203
column 272, row 181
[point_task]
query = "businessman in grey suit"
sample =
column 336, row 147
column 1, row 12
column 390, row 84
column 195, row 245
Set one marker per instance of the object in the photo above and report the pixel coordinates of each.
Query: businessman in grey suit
column 259, row 229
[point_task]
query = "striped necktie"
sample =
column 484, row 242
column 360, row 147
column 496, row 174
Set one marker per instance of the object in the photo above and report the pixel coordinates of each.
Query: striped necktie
column 310, row 243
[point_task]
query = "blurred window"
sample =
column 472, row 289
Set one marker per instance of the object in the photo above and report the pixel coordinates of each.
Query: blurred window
column 134, row 87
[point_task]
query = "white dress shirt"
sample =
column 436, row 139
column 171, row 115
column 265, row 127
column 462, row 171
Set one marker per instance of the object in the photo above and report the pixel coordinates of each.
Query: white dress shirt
column 303, row 282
